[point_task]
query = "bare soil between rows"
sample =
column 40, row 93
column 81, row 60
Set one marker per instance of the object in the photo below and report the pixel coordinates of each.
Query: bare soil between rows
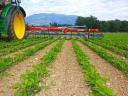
column 14, row 72
column 115, row 78
column 65, row 75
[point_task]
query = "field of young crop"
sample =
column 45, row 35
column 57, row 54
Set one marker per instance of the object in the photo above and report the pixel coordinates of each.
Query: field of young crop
column 56, row 66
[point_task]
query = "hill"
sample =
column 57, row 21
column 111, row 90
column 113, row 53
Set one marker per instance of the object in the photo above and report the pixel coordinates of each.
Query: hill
column 46, row 18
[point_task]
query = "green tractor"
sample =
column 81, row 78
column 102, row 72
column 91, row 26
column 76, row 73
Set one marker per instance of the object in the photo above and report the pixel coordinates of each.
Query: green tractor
column 12, row 20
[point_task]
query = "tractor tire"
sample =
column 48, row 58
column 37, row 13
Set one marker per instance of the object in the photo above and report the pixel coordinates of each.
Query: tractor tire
column 15, row 24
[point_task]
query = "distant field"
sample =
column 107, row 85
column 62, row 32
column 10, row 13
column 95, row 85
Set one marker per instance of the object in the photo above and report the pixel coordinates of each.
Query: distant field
column 119, row 40
column 118, row 36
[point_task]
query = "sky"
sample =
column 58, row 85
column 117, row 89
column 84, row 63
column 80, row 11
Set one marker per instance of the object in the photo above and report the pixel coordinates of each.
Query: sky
column 102, row 9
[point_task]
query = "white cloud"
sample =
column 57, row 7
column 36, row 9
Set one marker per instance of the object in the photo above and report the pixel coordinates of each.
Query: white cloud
column 103, row 9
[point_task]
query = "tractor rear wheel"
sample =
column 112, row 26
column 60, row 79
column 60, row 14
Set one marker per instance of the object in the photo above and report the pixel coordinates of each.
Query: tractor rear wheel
column 16, row 25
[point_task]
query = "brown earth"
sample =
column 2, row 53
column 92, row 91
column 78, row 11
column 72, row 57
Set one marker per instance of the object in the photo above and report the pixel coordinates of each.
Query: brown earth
column 14, row 72
column 65, row 75
column 115, row 78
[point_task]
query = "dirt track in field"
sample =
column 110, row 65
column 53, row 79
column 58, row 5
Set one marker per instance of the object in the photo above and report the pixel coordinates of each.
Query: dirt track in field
column 14, row 72
column 116, row 79
column 65, row 75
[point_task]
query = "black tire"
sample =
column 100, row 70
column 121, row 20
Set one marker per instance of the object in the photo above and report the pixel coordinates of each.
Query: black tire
column 10, row 22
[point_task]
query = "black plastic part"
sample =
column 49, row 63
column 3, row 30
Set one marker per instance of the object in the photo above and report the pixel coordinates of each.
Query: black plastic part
column 23, row 11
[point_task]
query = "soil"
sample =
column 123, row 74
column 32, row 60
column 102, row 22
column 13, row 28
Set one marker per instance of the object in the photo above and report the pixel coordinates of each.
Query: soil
column 14, row 72
column 65, row 75
column 115, row 78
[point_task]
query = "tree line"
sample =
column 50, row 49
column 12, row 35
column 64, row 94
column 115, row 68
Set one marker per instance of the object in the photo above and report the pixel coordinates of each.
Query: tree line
column 104, row 26
column 59, row 25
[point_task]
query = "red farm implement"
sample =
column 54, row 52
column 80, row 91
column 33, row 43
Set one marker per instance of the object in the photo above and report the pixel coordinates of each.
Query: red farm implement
column 62, row 31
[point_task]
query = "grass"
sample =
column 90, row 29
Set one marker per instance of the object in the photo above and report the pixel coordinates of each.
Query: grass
column 6, row 62
column 110, row 47
column 31, row 81
column 120, row 64
column 119, row 40
column 5, row 44
column 10, row 49
column 94, row 79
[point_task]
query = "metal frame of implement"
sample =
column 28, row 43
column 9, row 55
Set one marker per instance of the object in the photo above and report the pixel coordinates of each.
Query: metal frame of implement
column 64, row 34
column 61, row 31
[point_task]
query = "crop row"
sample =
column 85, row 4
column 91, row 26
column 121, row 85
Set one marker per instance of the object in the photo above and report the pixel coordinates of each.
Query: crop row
column 94, row 79
column 120, row 64
column 22, row 46
column 8, row 61
column 31, row 81
column 116, row 42
column 111, row 47
column 17, row 42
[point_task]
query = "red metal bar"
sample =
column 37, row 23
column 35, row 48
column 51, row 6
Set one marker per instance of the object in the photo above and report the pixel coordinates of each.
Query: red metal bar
column 59, row 29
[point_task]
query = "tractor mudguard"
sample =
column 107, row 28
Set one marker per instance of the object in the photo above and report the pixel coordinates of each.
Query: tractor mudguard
column 3, row 15
column 22, row 10
column 6, row 10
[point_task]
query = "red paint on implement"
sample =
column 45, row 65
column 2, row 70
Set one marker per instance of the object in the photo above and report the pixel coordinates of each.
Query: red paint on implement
column 59, row 29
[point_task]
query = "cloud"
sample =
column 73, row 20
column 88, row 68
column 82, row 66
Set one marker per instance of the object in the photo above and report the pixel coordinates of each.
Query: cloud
column 103, row 9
